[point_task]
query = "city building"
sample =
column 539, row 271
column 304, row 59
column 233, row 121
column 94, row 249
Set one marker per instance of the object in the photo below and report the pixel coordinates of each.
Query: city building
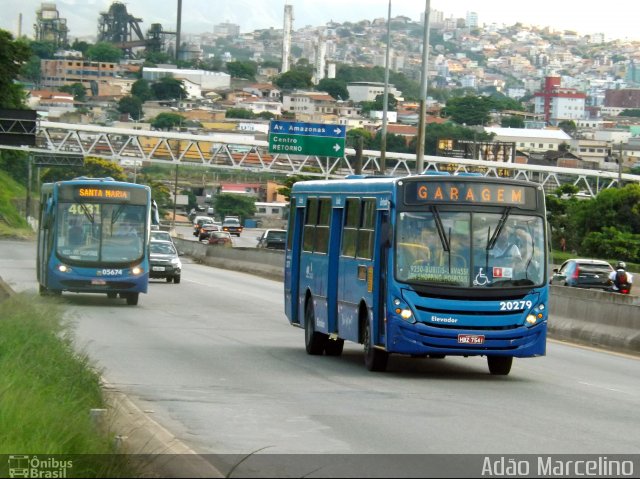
column 368, row 91
column 531, row 140
column 207, row 80
column 557, row 103
column 92, row 75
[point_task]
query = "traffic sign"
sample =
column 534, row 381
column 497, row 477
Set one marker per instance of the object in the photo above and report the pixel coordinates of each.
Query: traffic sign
column 298, row 138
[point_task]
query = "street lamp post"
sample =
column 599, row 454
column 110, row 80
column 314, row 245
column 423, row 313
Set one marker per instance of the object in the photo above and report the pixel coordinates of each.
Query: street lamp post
column 385, row 100
column 423, row 92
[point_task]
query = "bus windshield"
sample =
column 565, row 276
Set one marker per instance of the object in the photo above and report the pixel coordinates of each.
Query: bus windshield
column 470, row 249
column 101, row 232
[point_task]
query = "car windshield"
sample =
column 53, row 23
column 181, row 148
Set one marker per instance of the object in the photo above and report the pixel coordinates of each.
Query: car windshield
column 157, row 247
column 93, row 232
column 470, row 250
column 276, row 235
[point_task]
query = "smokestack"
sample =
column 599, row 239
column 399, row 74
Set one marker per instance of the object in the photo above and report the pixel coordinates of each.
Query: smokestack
column 19, row 25
column 286, row 37
column 178, row 27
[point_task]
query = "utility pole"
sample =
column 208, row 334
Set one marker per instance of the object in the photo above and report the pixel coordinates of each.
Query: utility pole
column 359, row 148
column 423, row 92
column 178, row 28
column 385, row 100
column 620, row 166
column 175, row 197
column 29, row 183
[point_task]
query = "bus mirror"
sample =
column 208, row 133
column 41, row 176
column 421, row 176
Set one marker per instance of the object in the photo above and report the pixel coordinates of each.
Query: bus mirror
column 46, row 215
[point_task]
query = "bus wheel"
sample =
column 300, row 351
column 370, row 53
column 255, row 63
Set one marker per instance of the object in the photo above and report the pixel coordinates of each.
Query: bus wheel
column 333, row 347
column 499, row 365
column 374, row 359
column 314, row 342
column 112, row 295
column 132, row 299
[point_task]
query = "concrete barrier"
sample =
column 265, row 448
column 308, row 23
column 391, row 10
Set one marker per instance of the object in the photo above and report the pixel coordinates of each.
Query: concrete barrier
column 595, row 318
column 261, row 262
column 590, row 317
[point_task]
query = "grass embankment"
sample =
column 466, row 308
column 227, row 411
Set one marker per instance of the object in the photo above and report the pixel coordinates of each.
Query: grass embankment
column 47, row 391
column 12, row 225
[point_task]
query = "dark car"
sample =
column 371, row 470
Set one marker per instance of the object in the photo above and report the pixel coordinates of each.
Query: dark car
column 272, row 239
column 232, row 226
column 164, row 261
column 206, row 229
column 220, row 238
column 583, row 273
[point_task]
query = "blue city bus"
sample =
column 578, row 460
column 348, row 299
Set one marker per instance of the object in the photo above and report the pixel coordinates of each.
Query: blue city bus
column 93, row 237
column 425, row 266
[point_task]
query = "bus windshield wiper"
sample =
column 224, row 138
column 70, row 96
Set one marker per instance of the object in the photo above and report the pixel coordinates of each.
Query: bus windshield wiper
column 498, row 230
column 116, row 214
column 443, row 236
column 89, row 216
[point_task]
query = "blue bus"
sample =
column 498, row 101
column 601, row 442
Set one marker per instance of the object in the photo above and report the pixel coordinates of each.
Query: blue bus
column 93, row 237
column 425, row 266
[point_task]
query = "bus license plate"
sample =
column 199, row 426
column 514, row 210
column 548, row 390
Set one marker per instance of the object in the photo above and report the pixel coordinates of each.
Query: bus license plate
column 98, row 282
column 470, row 339
column 158, row 268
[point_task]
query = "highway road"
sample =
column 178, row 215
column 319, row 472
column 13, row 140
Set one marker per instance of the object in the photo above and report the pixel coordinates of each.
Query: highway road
column 216, row 361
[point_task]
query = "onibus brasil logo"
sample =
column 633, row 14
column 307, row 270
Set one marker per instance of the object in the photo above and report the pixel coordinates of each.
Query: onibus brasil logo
column 34, row 466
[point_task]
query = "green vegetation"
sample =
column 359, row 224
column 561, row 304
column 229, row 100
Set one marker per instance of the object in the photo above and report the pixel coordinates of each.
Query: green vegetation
column 607, row 226
column 48, row 390
column 227, row 204
column 12, row 224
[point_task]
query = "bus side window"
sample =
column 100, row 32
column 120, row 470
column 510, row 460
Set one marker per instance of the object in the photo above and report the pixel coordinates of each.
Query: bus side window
column 350, row 231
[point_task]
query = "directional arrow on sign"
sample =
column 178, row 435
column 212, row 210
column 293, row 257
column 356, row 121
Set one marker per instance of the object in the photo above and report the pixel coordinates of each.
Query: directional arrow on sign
column 336, row 148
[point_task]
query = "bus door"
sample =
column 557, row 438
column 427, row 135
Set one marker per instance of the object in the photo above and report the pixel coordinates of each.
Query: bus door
column 335, row 233
column 292, row 261
column 355, row 267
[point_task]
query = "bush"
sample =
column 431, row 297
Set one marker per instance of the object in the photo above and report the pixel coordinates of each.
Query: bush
column 611, row 243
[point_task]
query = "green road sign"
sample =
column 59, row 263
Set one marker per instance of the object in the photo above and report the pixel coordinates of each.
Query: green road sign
column 306, row 145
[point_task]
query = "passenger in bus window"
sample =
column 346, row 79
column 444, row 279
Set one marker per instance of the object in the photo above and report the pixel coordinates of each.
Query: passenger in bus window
column 506, row 245
column 75, row 235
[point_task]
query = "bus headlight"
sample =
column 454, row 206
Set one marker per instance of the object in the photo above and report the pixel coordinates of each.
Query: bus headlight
column 63, row 268
column 136, row 270
column 406, row 314
column 532, row 319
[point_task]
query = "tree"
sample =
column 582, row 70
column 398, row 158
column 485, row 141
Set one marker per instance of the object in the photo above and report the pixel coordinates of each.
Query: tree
column 241, row 113
column 104, row 52
column 469, row 110
column 293, row 80
column 131, row 105
column 75, row 89
column 630, row 112
column 334, row 87
column 246, row 70
column 226, row 204
column 512, row 122
column 166, row 121
column 568, row 126
column 289, row 181
column 93, row 168
column 43, row 50
column 13, row 54
column 32, row 70
column 81, row 46
column 141, row 89
column 168, row 88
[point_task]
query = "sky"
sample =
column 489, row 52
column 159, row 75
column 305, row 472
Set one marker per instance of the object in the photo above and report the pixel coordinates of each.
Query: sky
column 614, row 18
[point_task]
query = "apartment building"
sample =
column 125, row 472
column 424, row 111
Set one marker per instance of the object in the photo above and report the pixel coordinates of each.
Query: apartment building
column 557, row 103
column 57, row 73
column 368, row 91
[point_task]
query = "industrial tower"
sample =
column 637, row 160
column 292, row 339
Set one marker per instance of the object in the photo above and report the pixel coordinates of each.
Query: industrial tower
column 49, row 26
column 286, row 38
column 117, row 26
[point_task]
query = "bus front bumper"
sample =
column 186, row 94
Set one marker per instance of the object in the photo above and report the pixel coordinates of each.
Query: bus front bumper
column 420, row 339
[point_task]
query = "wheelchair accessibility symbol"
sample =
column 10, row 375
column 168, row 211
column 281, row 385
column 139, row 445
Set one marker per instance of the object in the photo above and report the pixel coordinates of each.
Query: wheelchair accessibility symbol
column 481, row 279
